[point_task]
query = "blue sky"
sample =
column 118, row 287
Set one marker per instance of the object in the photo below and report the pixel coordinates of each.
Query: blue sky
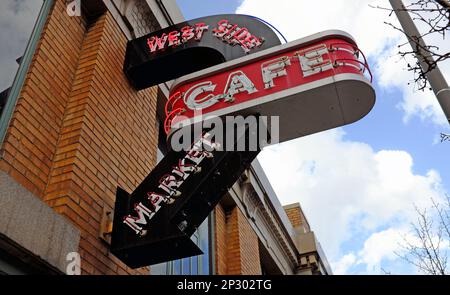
column 359, row 212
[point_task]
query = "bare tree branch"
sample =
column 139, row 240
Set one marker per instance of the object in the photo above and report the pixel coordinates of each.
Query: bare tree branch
column 385, row 272
column 435, row 15
column 445, row 137
column 444, row 3
column 428, row 249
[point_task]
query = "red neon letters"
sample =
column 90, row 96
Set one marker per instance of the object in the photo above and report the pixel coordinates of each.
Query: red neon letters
column 175, row 38
column 227, row 32
column 263, row 77
column 233, row 35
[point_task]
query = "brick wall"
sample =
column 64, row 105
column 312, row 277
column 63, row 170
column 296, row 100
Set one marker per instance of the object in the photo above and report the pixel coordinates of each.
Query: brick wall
column 233, row 253
column 296, row 217
column 31, row 140
column 220, row 240
column 80, row 130
column 237, row 248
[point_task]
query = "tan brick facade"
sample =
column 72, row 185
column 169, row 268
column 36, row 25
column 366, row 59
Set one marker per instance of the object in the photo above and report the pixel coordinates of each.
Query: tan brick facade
column 237, row 248
column 79, row 129
column 297, row 217
column 220, row 240
column 294, row 216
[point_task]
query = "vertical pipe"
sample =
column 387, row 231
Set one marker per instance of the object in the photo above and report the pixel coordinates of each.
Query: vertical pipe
column 434, row 77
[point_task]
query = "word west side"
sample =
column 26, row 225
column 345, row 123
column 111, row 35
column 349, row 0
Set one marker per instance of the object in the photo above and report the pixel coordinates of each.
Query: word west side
column 227, row 32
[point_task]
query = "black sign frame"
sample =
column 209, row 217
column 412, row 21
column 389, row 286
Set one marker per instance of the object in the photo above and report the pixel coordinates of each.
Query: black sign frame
column 144, row 68
column 201, row 192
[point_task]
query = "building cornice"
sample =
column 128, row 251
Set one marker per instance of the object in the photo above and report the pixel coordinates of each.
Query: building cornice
column 254, row 201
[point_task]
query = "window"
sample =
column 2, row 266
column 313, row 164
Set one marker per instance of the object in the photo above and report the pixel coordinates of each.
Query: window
column 195, row 265
column 19, row 19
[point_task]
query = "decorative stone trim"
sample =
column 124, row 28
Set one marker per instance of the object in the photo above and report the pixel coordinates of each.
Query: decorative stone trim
column 265, row 221
column 27, row 222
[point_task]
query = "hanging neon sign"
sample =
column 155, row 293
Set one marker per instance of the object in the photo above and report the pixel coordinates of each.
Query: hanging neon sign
column 324, row 76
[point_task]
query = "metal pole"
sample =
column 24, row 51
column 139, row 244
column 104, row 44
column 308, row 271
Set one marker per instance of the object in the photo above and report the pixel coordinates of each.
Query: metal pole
column 434, row 77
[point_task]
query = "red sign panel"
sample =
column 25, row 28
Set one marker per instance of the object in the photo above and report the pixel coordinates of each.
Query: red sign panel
column 260, row 83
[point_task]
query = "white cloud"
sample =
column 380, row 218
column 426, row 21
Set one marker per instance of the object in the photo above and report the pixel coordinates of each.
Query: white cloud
column 344, row 264
column 303, row 17
column 346, row 188
column 297, row 19
column 382, row 249
column 392, row 72
column 381, row 246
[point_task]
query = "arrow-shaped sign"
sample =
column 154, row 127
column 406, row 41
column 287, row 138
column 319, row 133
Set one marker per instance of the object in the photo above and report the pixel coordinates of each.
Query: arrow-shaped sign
column 154, row 223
